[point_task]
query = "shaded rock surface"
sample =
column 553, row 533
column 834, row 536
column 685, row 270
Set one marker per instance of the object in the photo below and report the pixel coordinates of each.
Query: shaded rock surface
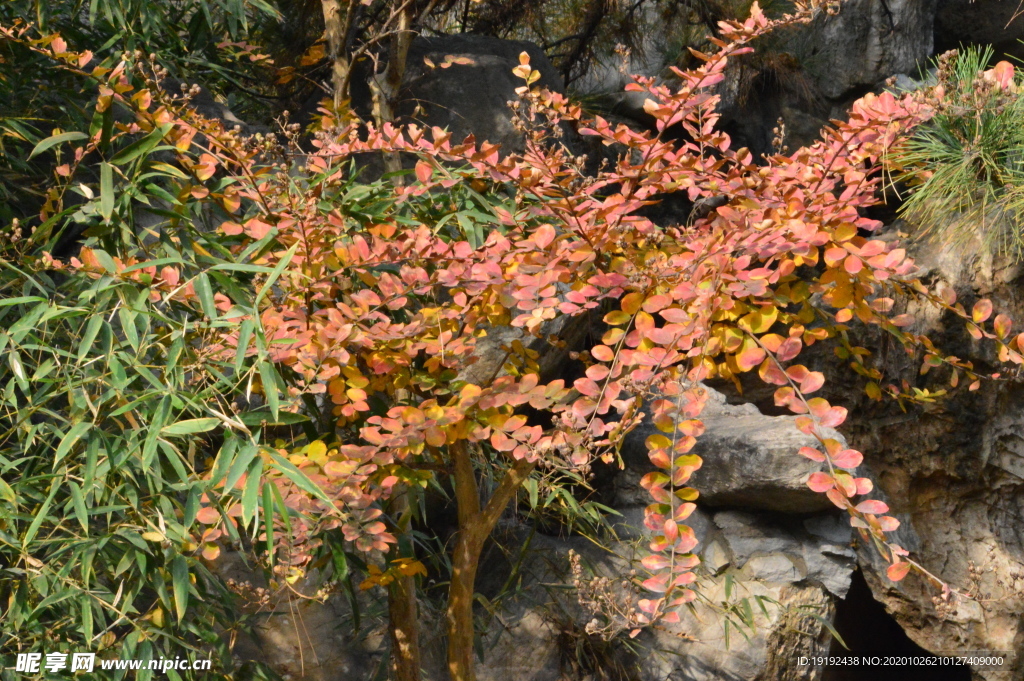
column 750, row 459
column 465, row 82
column 980, row 22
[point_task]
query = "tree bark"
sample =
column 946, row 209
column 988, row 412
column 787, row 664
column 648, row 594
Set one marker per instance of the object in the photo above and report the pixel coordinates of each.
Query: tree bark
column 403, row 621
column 337, row 27
column 474, row 528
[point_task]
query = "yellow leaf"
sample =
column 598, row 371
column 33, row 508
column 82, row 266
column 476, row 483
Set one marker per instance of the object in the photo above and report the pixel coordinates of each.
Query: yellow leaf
column 317, row 452
column 313, row 55
column 153, row 536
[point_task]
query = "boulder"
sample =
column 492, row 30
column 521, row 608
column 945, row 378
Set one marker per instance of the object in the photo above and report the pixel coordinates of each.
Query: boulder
column 750, row 460
column 868, row 41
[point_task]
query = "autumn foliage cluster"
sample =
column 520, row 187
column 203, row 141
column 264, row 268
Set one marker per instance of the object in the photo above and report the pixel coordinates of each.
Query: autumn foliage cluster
column 372, row 322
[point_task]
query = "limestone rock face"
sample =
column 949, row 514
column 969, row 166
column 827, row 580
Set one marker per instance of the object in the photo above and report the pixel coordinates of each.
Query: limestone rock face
column 750, row 459
column 870, row 40
column 954, row 476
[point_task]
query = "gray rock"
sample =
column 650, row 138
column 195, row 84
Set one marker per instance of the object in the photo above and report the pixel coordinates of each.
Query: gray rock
column 750, row 460
column 870, row 40
column 785, row 551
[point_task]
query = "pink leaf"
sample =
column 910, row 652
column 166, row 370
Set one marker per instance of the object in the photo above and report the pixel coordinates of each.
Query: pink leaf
column 848, row 458
column 820, row 482
column 897, row 571
column 888, row 523
column 424, row 172
column 872, row 506
column 789, row 349
column 811, row 453
column 982, row 310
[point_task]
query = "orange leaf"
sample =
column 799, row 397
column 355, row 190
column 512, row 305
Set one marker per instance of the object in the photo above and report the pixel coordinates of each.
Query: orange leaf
column 897, row 571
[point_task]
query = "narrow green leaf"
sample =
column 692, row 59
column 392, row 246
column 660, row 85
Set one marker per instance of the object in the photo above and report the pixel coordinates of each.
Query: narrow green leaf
column 69, row 440
column 106, row 190
column 120, row 378
column 239, row 465
column 189, row 426
column 6, row 493
column 14, row 359
column 37, row 522
column 85, row 606
column 278, row 269
column 205, row 293
column 268, row 520
column 298, row 477
column 244, row 336
column 55, row 140
column 142, row 146
column 160, row 416
column 282, row 510
column 78, row 503
column 21, row 300
column 262, row 416
column 91, row 330
column 225, row 458
column 251, row 492
column 191, row 508
column 268, row 376
column 128, row 326
column 180, row 581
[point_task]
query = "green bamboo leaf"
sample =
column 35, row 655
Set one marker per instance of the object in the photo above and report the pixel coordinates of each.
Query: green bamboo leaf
column 120, row 378
column 298, row 477
column 244, row 336
column 278, row 269
column 78, row 503
column 225, row 458
column 160, row 417
column 22, row 300
column 263, row 416
column 55, row 140
column 268, row 520
column 69, row 440
column 191, row 508
column 106, row 190
column 238, row 466
column 282, row 510
column 268, row 376
column 40, row 516
column 180, row 582
column 6, row 493
column 142, row 146
column 128, row 326
column 14, row 359
column 205, row 293
column 85, row 607
column 251, row 491
column 190, row 426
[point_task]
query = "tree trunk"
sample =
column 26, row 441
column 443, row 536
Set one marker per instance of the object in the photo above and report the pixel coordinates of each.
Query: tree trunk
column 337, row 27
column 474, row 528
column 404, row 630
column 403, row 622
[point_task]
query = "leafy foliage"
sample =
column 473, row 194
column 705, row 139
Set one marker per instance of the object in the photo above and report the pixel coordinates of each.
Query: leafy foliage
column 966, row 165
column 359, row 311
column 107, row 409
